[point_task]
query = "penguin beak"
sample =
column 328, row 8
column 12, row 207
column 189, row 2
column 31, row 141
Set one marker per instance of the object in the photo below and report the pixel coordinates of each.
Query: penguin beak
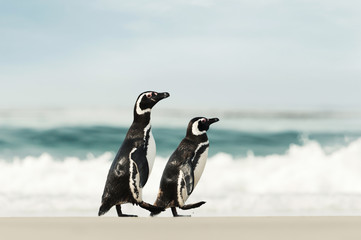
column 212, row 120
column 161, row 96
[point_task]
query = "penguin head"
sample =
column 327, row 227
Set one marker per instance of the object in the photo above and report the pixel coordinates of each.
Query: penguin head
column 200, row 125
column 146, row 101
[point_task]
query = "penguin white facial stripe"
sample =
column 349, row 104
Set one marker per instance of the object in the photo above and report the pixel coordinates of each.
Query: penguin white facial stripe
column 138, row 108
column 195, row 129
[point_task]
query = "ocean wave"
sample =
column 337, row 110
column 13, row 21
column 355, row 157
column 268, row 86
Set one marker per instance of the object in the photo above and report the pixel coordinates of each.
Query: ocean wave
column 244, row 120
column 77, row 141
column 305, row 180
column 302, row 169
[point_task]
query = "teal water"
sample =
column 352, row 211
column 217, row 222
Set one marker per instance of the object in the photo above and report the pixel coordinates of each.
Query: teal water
column 79, row 141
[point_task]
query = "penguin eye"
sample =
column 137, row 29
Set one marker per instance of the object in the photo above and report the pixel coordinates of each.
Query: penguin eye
column 203, row 120
column 149, row 95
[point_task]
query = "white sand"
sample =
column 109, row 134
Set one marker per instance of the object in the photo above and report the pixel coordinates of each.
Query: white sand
column 220, row 228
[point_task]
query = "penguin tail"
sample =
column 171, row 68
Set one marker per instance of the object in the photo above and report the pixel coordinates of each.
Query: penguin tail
column 104, row 208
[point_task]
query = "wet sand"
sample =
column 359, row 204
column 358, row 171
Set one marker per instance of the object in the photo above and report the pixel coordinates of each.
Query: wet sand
column 219, row 228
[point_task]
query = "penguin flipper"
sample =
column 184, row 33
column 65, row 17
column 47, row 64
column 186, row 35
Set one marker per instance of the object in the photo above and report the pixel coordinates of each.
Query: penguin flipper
column 188, row 178
column 139, row 157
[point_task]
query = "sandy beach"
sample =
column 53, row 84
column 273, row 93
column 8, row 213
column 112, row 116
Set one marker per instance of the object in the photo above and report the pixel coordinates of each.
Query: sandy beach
column 182, row 228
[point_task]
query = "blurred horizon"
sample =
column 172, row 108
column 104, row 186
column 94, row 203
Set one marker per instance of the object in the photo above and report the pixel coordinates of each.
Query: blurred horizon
column 244, row 120
column 206, row 53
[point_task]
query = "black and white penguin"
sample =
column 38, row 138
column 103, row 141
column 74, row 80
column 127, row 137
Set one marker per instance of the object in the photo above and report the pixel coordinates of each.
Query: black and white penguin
column 133, row 163
column 185, row 167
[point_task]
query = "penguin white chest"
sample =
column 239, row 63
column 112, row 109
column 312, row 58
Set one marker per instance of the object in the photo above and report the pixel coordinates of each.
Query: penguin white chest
column 201, row 163
column 151, row 147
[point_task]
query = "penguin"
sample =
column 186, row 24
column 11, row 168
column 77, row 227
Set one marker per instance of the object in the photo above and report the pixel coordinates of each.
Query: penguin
column 133, row 163
column 184, row 168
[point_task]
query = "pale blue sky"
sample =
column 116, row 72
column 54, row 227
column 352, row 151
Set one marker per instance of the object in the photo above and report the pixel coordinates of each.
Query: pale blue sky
column 214, row 53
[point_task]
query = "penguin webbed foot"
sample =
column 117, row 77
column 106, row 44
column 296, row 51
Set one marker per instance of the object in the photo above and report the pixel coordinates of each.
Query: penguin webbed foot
column 193, row 205
column 182, row 215
column 175, row 214
column 127, row 215
column 120, row 214
column 186, row 207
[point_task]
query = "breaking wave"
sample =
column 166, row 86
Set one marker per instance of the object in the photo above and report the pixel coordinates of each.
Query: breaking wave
column 305, row 180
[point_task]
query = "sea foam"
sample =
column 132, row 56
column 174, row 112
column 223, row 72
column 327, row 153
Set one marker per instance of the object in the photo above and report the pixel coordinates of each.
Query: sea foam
column 305, row 180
